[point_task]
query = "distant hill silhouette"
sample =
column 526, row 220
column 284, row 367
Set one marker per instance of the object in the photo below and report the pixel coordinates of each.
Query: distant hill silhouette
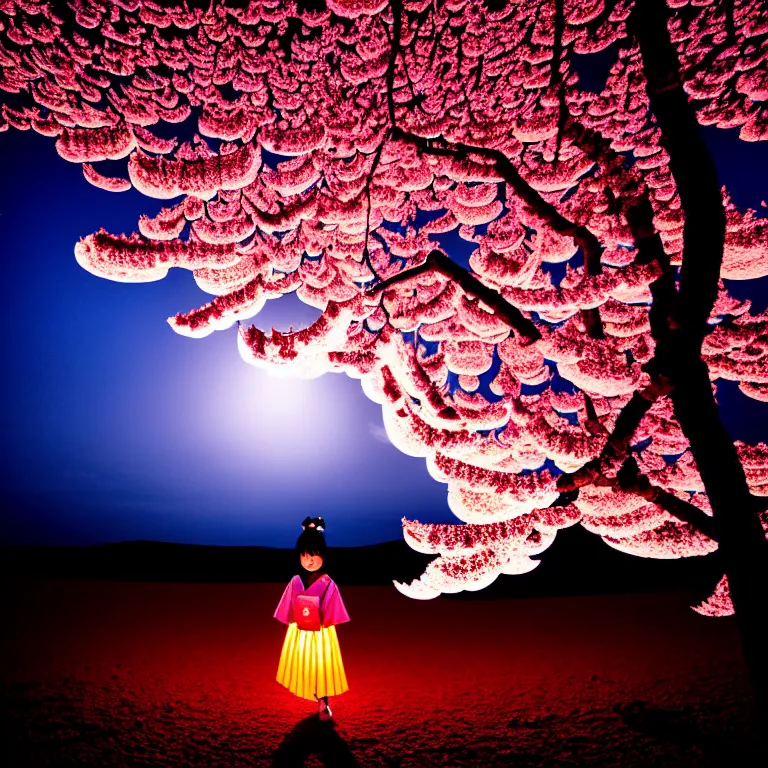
column 577, row 563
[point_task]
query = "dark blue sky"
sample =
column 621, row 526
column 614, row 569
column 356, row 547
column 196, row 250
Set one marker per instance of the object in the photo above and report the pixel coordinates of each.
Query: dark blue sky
column 116, row 428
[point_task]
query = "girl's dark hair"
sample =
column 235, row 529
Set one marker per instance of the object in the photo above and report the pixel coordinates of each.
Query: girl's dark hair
column 312, row 541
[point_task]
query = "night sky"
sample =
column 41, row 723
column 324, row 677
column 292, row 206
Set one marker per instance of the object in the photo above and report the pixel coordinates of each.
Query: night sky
column 115, row 428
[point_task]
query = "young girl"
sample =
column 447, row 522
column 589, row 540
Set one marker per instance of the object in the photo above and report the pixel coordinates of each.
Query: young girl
column 310, row 664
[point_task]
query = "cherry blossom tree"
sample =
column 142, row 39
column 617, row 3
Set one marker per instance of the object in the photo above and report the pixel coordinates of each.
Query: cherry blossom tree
column 336, row 145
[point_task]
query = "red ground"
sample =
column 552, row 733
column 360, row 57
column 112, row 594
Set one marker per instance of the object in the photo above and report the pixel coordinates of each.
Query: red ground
column 112, row 674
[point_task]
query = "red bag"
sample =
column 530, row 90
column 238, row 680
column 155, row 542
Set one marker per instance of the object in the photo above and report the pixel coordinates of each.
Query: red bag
column 307, row 612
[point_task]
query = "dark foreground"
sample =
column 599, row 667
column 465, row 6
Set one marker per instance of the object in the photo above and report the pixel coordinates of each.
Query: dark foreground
column 145, row 674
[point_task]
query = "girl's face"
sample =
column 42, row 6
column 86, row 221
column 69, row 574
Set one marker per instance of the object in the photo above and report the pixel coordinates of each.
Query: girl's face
column 311, row 562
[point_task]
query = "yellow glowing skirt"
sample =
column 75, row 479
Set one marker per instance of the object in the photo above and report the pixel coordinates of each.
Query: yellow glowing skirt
column 310, row 663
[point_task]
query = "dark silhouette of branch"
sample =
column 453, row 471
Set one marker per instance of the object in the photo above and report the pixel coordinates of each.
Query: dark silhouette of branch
column 438, row 262
column 630, row 479
column 589, row 244
column 617, row 444
column 730, row 27
column 555, row 79
column 650, row 249
column 394, row 50
column 368, row 182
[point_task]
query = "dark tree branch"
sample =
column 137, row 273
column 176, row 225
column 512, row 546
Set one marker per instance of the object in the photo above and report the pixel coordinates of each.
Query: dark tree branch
column 438, row 262
column 394, row 50
column 589, row 244
column 617, row 445
column 555, row 79
column 730, row 26
column 369, row 181
column 630, row 479
column 650, row 249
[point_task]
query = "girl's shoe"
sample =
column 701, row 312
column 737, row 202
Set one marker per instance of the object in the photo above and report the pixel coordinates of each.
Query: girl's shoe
column 324, row 711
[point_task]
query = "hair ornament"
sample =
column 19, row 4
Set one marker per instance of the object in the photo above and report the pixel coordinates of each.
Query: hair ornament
column 316, row 523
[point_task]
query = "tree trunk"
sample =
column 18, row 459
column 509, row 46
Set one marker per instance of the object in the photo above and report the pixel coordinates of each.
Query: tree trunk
column 742, row 542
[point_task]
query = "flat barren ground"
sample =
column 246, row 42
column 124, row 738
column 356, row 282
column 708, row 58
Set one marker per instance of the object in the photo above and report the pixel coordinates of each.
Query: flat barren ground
column 145, row 674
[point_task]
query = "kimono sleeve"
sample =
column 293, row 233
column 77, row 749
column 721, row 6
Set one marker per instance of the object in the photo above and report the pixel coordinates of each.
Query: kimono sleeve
column 332, row 610
column 284, row 612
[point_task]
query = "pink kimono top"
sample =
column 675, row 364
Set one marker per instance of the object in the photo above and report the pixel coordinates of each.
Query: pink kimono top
column 332, row 610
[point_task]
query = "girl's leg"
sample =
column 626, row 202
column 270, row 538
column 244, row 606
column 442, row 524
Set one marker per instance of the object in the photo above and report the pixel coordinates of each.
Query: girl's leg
column 324, row 710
